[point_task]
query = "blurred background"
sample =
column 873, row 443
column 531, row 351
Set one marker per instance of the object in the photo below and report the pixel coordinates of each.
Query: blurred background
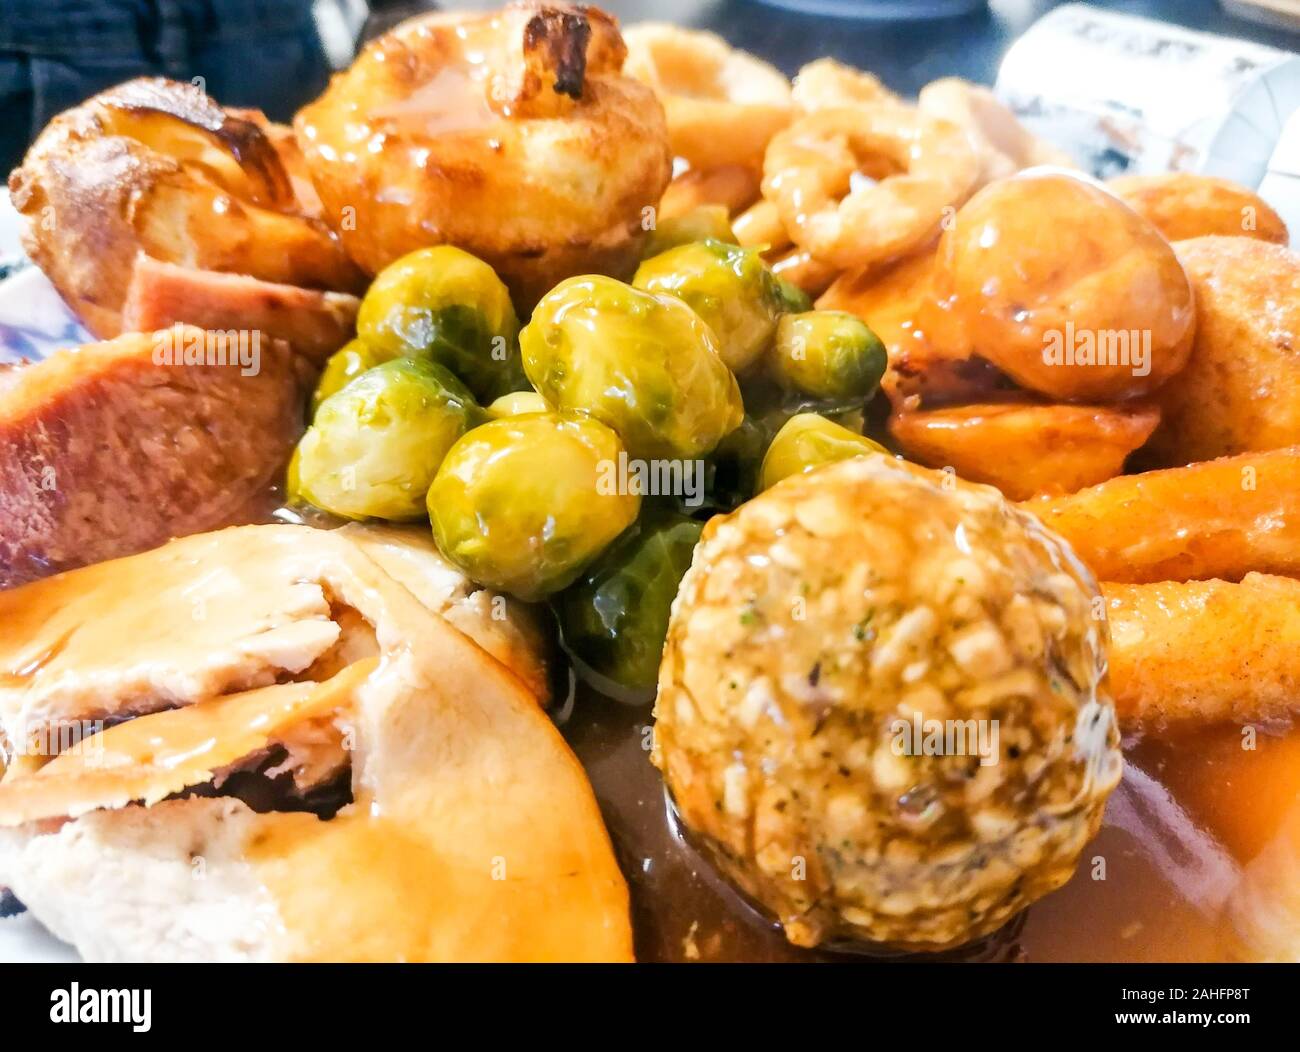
column 277, row 54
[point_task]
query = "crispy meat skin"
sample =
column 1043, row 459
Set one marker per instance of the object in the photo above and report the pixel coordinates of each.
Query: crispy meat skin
column 103, row 453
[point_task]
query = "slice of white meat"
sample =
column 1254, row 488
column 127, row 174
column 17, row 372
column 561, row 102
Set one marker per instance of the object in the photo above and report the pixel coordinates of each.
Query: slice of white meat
column 167, row 882
column 504, row 627
column 206, row 615
column 473, row 833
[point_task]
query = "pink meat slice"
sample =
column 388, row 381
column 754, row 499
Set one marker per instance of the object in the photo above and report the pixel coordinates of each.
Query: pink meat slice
column 111, row 448
column 314, row 323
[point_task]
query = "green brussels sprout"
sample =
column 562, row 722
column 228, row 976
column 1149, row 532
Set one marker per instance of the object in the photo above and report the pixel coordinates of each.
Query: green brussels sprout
column 728, row 286
column 447, row 305
column 731, row 473
column 374, row 447
column 699, row 224
column 293, row 481
column 344, row 366
column 517, row 402
column 524, row 503
column 614, row 618
column 732, row 470
column 828, row 354
column 791, row 298
column 808, row 441
column 643, row 364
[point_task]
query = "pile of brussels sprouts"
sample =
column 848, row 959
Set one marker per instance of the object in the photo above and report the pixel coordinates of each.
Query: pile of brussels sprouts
column 443, row 406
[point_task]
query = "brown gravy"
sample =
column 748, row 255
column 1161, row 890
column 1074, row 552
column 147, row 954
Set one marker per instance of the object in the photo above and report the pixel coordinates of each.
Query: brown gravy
column 1155, row 885
column 1158, row 883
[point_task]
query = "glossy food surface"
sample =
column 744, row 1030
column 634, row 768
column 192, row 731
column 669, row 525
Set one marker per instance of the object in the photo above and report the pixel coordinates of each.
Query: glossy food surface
column 1065, row 288
column 512, row 134
column 822, row 630
column 524, row 502
column 644, row 364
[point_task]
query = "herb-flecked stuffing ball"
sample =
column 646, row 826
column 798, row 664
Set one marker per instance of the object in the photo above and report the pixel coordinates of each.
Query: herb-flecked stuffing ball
column 882, row 709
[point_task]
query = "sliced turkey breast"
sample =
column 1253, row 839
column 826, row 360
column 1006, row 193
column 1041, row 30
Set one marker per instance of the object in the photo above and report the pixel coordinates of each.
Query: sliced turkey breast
column 472, row 833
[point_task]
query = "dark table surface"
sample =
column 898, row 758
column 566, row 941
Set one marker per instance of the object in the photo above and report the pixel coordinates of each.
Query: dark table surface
column 908, row 54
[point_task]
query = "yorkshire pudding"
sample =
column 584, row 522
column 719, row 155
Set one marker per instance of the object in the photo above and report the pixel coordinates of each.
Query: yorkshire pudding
column 157, row 167
column 512, row 135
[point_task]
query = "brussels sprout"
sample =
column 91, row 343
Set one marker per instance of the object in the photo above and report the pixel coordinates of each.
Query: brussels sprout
column 614, row 619
column 791, row 298
column 293, row 481
column 517, row 403
column 699, row 224
column 828, row 354
column 732, row 470
column 526, row 502
column 375, row 446
column 445, row 304
column 344, row 366
column 808, row 441
column 644, row 364
column 728, row 286
column 731, row 475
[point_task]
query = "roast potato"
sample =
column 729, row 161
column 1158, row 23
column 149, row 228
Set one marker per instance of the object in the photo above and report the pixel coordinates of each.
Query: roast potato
column 929, row 364
column 1184, row 205
column 1026, row 449
column 1063, row 287
column 1221, row 518
column 1205, row 651
column 1240, row 390
column 157, row 167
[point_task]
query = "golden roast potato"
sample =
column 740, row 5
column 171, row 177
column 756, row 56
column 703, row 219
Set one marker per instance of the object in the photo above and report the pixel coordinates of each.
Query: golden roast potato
column 1240, row 390
column 1184, row 205
column 1065, row 288
column 1026, row 449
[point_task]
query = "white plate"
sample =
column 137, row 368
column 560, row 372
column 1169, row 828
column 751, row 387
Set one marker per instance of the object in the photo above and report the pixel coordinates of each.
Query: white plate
column 23, row 941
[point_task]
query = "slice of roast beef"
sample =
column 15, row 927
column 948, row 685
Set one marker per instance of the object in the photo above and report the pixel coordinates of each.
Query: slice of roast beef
column 315, row 323
column 115, row 447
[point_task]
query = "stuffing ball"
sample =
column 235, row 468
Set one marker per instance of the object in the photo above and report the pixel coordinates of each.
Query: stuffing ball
column 882, row 710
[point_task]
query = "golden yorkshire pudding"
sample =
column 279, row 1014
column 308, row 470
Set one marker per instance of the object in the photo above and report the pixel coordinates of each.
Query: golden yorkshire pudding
column 512, row 135
column 1184, row 205
column 722, row 104
column 1065, row 288
column 155, row 167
